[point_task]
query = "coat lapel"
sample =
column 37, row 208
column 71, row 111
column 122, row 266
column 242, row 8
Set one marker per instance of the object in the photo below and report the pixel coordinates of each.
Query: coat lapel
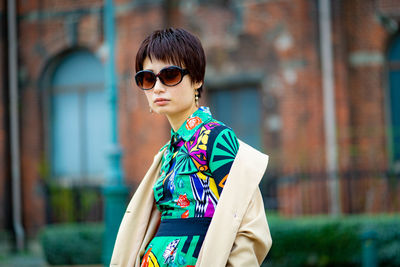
column 140, row 220
column 246, row 173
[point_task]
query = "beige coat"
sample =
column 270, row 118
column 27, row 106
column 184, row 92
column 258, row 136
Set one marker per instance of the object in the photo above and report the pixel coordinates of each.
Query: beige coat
column 238, row 234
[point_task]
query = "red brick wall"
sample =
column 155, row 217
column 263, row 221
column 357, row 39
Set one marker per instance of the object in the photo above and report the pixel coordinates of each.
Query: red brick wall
column 142, row 133
column 286, row 34
column 359, row 42
column 43, row 33
column 280, row 39
column 46, row 37
column 364, row 34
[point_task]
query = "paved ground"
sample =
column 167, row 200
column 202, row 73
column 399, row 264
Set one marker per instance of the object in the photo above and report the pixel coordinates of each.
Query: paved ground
column 23, row 260
column 32, row 257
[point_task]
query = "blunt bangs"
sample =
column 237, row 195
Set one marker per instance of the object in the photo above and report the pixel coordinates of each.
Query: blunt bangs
column 176, row 46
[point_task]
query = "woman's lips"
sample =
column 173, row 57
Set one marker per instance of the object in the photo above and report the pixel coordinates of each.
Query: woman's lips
column 161, row 101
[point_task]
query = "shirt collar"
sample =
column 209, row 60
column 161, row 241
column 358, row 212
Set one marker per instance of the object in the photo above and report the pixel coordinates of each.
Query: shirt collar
column 189, row 127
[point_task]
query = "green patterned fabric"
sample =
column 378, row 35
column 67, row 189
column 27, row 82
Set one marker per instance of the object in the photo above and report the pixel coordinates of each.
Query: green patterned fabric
column 194, row 169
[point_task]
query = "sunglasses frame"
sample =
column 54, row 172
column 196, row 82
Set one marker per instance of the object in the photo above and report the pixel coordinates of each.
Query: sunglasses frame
column 182, row 71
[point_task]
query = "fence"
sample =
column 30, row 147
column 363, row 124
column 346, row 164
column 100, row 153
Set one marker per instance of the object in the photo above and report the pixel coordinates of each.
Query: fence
column 296, row 194
column 361, row 191
column 73, row 203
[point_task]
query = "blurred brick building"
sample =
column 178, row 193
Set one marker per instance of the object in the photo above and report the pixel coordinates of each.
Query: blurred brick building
column 263, row 78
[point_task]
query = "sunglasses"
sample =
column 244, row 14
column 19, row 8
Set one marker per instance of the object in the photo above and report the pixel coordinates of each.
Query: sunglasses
column 169, row 76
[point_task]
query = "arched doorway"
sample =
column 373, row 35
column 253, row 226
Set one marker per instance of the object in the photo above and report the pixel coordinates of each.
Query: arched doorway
column 77, row 120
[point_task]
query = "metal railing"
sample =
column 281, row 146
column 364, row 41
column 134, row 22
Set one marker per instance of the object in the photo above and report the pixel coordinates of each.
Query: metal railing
column 361, row 191
column 73, row 203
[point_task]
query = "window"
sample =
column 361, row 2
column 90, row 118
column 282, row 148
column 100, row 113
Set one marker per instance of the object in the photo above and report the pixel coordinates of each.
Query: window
column 79, row 118
column 240, row 109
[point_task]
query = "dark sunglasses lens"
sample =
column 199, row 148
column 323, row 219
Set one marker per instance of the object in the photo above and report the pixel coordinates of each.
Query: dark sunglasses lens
column 171, row 76
column 145, row 79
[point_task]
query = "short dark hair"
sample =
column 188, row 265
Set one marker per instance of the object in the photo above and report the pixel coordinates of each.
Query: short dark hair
column 178, row 47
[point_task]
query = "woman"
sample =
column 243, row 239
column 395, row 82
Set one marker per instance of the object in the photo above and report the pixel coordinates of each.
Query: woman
column 199, row 203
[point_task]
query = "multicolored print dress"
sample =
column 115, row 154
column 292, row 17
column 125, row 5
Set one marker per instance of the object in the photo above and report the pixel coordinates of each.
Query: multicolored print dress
column 193, row 172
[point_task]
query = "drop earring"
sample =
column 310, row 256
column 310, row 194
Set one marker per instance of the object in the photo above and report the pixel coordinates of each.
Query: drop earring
column 151, row 111
column 196, row 98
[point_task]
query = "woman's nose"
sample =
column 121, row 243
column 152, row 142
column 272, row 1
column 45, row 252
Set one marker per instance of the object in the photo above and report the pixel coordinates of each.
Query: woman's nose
column 158, row 86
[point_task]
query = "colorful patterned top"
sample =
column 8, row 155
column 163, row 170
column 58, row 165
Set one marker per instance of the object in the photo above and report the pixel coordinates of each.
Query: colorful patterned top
column 194, row 169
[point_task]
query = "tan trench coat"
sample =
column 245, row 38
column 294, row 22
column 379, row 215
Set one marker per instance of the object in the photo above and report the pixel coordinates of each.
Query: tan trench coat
column 238, row 234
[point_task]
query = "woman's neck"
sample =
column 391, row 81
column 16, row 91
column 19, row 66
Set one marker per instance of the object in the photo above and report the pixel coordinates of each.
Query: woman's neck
column 176, row 120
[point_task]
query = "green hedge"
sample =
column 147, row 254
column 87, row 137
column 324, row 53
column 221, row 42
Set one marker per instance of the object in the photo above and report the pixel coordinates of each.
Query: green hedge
column 311, row 241
column 5, row 244
column 324, row 241
column 68, row 244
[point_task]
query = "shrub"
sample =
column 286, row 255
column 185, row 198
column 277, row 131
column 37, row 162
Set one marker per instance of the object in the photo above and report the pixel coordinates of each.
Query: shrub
column 308, row 241
column 66, row 244
column 327, row 241
column 5, row 244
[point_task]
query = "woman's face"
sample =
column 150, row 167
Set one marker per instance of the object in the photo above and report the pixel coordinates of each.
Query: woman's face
column 170, row 100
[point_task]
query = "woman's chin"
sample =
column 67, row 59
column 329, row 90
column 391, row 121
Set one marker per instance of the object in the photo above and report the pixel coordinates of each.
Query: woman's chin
column 161, row 110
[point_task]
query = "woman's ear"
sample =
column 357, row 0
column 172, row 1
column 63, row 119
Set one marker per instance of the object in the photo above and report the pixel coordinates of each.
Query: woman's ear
column 198, row 85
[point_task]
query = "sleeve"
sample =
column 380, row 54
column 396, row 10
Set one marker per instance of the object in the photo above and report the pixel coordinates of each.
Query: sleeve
column 221, row 152
column 253, row 240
